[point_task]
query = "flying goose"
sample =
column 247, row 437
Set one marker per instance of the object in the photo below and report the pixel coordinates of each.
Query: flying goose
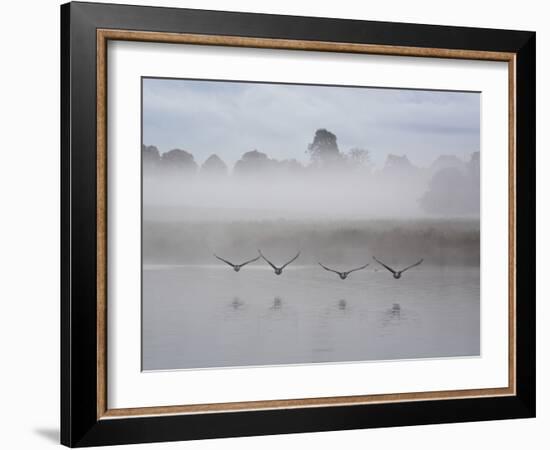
column 278, row 270
column 397, row 273
column 343, row 275
column 237, row 267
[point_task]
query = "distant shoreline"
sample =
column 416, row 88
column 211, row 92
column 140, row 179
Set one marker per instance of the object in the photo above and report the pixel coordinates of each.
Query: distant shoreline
column 439, row 241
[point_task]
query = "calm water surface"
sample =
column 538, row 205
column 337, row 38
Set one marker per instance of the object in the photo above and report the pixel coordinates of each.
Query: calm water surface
column 211, row 316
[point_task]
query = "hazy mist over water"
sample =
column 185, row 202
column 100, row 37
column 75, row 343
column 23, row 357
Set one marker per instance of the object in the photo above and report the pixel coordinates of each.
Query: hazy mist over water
column 335, row 206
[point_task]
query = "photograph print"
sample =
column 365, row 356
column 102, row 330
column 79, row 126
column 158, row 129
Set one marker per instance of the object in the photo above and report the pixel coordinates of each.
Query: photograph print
column 288, row 224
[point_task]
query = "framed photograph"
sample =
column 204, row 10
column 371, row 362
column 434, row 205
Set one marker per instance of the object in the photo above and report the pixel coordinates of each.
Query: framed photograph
column 277, row 224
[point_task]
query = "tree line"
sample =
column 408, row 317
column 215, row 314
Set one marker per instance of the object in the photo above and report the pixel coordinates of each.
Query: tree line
column 323, row 152
column 452, row 186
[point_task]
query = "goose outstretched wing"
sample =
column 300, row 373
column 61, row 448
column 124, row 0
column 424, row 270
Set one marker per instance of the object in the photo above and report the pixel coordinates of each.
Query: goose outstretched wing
column 267, row 260
column 359, row 268
column 224, row 260
column 250, row 260
column 330, row 270
column 413, row 265
column 381, row 263
column 293, row 259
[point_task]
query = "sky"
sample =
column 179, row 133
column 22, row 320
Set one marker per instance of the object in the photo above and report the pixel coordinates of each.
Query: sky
column 230, row 118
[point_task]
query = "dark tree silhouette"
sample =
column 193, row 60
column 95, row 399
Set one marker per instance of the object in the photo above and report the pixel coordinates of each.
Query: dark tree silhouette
column 253, row 162
column 151, row 158
column 290, row 166
column 473, row 167
column 398, row 165
column 450, row 191
column 359, row 157
column 178, row 161
column 324, row 148
column 214, row 166
column 446, row 162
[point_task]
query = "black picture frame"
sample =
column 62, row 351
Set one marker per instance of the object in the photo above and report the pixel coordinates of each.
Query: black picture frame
column 80, row 425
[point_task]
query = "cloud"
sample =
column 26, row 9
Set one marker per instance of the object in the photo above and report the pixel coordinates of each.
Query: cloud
column 230, row 118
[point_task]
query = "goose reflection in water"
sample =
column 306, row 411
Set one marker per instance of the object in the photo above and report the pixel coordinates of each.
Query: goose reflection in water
column 393, row 315
column 277, row 303
column 395, row 310
column 236, row 303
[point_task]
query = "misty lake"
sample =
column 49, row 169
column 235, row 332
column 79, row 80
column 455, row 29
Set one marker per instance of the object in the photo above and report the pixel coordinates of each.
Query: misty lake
column 210, row 316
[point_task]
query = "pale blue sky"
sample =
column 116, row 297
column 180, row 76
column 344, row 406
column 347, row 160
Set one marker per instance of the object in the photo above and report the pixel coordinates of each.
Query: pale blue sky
column 230, row 118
